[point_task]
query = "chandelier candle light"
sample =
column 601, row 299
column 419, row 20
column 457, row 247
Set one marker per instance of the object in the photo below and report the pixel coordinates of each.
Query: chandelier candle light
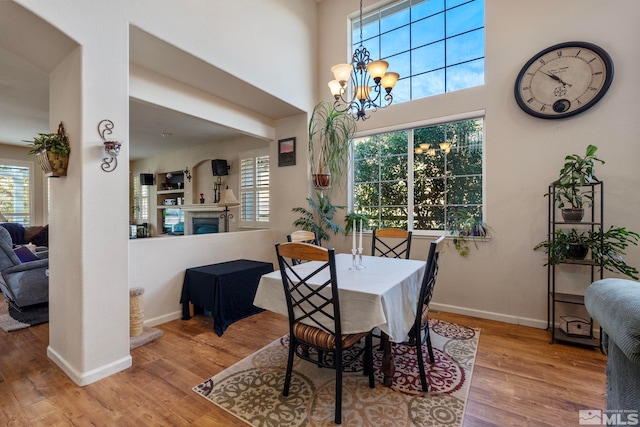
column 367, row 94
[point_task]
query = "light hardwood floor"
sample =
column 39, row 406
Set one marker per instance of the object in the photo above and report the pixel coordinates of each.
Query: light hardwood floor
column 519, row 378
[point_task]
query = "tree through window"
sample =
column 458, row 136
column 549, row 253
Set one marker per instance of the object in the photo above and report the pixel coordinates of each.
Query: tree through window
column 422, row 178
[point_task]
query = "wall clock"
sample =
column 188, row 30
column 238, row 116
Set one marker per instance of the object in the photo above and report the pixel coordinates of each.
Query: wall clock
column 564, row 80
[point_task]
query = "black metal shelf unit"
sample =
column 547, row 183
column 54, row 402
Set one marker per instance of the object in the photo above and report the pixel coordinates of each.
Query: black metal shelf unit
column 594, row 218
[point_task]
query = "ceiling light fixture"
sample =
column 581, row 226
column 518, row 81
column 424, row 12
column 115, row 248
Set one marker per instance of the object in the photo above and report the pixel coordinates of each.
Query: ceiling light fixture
column 366, row 94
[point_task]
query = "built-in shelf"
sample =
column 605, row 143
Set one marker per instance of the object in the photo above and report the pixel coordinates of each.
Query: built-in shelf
column 176, row 191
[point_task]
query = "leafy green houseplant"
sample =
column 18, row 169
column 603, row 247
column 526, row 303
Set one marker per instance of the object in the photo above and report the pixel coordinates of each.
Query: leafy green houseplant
column 52, row 151
column 357, row 217
column 607, row 248
column 576, row 173
column 465, row 227
column 319, row 217
column 330, row 132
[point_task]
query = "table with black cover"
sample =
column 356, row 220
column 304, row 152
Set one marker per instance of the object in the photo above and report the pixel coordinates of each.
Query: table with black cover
column 226, row 289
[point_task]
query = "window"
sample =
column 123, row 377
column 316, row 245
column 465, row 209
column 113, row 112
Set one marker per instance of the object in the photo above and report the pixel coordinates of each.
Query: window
column 436, row 46
column 140, row 201
column 423, row 178
column 254, row 189
column 16, row 191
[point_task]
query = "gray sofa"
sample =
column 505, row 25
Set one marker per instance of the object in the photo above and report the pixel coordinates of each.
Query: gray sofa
column 24, row 283
column 615, row 305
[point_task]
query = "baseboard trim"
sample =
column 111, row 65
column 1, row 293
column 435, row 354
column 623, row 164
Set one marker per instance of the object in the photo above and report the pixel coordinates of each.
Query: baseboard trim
column 86, row 378
column 163, row 319
column 500, row 317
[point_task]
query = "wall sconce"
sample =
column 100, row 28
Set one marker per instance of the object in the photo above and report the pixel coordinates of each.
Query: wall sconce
column 111, row 148
column 187, row 174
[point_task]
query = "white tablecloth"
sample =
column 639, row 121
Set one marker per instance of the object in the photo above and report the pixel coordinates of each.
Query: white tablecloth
column 383, row 294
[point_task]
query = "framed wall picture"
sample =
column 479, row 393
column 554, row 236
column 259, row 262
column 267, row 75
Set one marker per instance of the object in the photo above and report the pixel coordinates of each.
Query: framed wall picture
column 287, row 152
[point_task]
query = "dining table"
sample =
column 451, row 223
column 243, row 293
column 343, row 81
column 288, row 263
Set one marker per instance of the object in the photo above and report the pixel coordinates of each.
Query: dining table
column 383, row 294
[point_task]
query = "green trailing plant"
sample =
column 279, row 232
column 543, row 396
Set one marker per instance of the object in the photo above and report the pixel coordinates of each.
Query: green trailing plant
column 319, row 217
column 330, row 132
column 607, row 248
column 463, row 228
column 577, row 172
column 55, row 142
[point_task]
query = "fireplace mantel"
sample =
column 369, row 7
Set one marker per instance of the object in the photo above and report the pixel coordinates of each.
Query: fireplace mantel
column 198, row 211
column 202, row 208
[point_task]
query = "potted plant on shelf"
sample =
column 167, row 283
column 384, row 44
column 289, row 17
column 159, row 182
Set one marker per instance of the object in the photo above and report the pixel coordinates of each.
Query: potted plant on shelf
column 52, row 151
column 576, row 173
column 319, row 218
column 464, row 226
column 330, row 131
column 607, row 248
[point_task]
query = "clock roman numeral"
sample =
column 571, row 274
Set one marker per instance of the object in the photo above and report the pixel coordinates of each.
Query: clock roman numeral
column 593, row 89
column 544, row 107
column 542, row 61
column 593, row 59
column 530, row 100
column 526, row 88
column 597, row 73
column 559, row 53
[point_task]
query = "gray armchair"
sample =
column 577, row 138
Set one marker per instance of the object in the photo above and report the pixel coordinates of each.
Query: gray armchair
column 23, row 283
column 615, row 305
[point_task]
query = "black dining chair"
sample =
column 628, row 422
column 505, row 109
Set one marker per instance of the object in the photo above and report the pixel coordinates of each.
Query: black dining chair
column 419, row 333
column 391, row 243
column 314, row 317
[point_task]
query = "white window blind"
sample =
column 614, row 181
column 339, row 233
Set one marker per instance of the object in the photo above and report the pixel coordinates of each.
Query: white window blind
column 140, row 202
column 15, row 192
column 254, row 189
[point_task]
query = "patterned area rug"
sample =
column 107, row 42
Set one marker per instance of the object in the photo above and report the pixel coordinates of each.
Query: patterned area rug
column 252, row 388
column 12, row 319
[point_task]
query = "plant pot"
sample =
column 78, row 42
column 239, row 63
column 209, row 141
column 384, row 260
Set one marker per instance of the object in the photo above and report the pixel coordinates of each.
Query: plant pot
column 321, row 180
column 53, row 164
column 577, row 251
column 572, row 214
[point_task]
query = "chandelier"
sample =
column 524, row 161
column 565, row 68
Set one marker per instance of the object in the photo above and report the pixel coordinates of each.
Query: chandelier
column 367, row 78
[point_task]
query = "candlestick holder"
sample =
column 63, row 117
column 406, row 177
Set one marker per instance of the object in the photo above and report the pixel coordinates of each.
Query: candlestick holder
column 360, row 264
column 354, row 263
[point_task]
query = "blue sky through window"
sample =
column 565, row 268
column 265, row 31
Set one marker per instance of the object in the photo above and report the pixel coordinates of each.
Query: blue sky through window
column 436, row 46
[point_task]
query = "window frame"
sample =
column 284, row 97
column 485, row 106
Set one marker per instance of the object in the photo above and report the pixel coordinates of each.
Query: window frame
column 380, row 13
column 31, row 186
column 470, row 115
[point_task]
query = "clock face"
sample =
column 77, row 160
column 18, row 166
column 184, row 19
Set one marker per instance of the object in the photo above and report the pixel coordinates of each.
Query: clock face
column 564, row 80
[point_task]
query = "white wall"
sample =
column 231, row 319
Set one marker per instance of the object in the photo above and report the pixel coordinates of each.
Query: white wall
column 504, row 278
column 89, row 305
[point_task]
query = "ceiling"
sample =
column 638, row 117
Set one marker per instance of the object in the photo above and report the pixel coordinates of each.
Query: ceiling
column 154, row 130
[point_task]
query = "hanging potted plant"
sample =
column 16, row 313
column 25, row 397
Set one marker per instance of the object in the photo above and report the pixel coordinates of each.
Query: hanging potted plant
column 52, row 151
column 577, row 172
column 330, row 131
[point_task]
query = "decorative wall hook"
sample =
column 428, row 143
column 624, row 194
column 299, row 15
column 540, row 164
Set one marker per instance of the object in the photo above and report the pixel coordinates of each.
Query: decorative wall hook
column 112, row 148
column 187, row 174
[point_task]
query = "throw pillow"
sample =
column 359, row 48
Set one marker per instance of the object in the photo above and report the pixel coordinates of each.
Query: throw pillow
column 42, row 238
column 25, row 254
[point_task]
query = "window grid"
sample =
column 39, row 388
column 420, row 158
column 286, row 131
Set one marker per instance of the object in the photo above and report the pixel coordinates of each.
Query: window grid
column 15, row 192
column 423, row 192
column 436, row 80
